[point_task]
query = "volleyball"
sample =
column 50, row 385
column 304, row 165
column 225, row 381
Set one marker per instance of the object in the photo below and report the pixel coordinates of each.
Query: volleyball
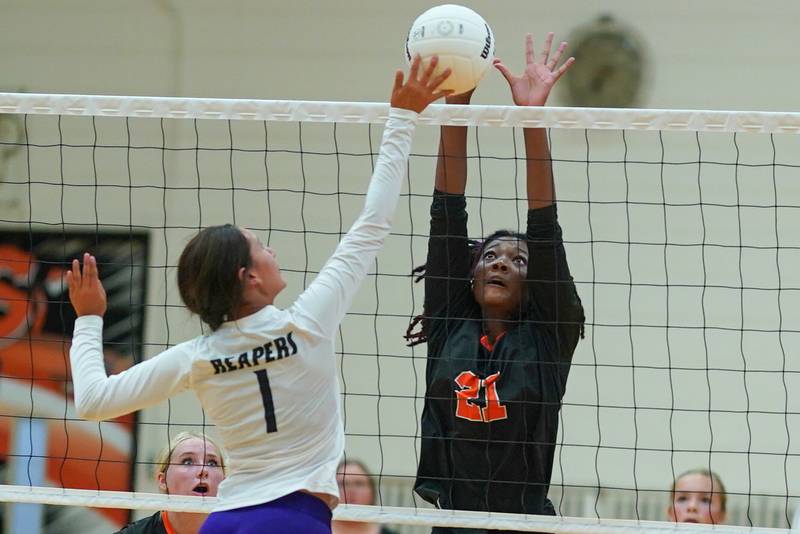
column 462, row 40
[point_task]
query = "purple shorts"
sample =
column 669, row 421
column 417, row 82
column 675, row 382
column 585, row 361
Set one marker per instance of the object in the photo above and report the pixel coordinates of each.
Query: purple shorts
column 293, row 513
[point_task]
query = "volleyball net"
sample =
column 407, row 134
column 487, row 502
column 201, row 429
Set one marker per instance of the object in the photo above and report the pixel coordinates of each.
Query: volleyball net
column 681, row 233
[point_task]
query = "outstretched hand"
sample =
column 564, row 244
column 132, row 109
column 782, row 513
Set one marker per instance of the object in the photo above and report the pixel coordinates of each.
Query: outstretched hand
column 419, row 90
column 86, row 292
column 533, row 86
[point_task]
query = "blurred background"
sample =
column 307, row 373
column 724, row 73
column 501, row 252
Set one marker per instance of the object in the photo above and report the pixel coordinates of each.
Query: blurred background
column 702, row 55
column 710, row 55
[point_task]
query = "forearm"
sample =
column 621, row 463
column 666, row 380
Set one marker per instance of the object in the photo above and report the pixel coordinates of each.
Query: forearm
column 88, row 369
column 323, row 305
column 99, row 396
column 539, row 169
column 552, row 285
column 451, row 163
column 384, row 187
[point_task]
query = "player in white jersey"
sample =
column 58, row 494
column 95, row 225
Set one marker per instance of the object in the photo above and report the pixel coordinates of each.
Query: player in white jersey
column 266, row 377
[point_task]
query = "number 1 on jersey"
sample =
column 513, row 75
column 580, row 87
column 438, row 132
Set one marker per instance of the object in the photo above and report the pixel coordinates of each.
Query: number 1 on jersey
column 266, row 398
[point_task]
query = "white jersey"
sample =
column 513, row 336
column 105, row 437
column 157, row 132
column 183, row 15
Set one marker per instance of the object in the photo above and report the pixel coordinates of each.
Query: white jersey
column 268, row 380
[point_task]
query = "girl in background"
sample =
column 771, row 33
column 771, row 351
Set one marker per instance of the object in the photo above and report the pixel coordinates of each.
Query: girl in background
column 191, row 464
column 698, row 496
column 356, row 486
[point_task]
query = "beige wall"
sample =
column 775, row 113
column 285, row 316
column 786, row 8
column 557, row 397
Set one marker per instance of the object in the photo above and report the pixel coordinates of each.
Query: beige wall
column 705, row 54
column 702, row 55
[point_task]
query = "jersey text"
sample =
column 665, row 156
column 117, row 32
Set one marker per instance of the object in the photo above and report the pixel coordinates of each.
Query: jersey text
column 277, row 349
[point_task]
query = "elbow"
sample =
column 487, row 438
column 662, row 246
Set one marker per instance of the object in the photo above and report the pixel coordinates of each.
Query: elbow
column 87, row 409
column 376, row 221
column 88, row 413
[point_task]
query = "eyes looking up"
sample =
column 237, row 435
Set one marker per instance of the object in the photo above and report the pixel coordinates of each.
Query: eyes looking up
column 190, row 461
column 491, row 255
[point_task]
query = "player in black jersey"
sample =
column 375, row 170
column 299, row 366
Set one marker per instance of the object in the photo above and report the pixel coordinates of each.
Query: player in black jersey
column 502, row 319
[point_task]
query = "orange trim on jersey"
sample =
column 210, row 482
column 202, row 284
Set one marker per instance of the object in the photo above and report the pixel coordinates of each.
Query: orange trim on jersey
column 167, row 525
column 487, row 344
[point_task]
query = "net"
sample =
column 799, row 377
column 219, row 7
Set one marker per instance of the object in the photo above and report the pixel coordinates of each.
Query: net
column 679, row 227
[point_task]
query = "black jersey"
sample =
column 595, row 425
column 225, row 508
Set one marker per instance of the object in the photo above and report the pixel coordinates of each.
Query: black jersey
column 148, row 525
column 490, row 418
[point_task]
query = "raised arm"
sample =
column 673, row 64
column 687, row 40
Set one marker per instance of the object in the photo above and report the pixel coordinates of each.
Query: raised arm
column 451, row 164
column 532, row 88
column 97, row 395
column 554, row 293
column 323, row 305
column 555, row 298
column 448, row 260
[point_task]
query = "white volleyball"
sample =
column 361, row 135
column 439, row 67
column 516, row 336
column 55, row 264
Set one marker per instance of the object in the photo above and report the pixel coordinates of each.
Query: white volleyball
column 460, row 37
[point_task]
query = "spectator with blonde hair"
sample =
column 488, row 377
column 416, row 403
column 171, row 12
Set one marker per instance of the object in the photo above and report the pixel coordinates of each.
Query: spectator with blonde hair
column 698, row 496
column 191, row 464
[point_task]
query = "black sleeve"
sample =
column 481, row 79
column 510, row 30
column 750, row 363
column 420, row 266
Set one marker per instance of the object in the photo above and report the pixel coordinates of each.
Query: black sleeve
column 447, row 277
column 555, row 303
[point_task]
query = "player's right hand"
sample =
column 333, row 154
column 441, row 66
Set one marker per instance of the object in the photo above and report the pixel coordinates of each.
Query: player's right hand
column 420, row 89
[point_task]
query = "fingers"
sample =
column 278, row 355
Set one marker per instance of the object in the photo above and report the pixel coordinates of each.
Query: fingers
column 90, row 268
column 503, row 70
column 548, row 43
column 398, row 80
column 85, row 289
column 438, row 80
column 426, row 75
column 421, row 86
column 563, row 68
column 413, row 72
column 74, row 275
column 557, row 56
column 90, row 274
column 443, row 93
column 529, row 49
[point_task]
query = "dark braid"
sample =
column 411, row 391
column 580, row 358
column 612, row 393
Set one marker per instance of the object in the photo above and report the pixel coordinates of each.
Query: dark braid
column 420, row 322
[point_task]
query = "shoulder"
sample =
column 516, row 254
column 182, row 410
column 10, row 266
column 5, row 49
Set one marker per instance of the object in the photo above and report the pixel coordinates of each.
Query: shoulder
column 449, row 336
column 147, row 525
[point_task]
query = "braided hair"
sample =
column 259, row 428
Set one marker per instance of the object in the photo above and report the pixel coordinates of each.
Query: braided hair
column 417, row 331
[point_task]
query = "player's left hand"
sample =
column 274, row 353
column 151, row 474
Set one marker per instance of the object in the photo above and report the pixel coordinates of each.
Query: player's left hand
column 533, row 86
column 86, row 292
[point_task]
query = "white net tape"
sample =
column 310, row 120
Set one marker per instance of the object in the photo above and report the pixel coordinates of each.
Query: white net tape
column 359, row 112
column 372, row 514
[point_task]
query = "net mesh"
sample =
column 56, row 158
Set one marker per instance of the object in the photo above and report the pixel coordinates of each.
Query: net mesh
column 679, row 227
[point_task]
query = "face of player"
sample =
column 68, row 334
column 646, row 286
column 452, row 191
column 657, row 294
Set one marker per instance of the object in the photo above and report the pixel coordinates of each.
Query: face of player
column 263, row 280
column 195, row 469
column 354, row 485
column 500, row 275
column 693, row 501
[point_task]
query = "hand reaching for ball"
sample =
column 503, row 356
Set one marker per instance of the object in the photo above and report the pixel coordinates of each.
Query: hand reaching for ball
column 532, row 87
column 420, row 89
